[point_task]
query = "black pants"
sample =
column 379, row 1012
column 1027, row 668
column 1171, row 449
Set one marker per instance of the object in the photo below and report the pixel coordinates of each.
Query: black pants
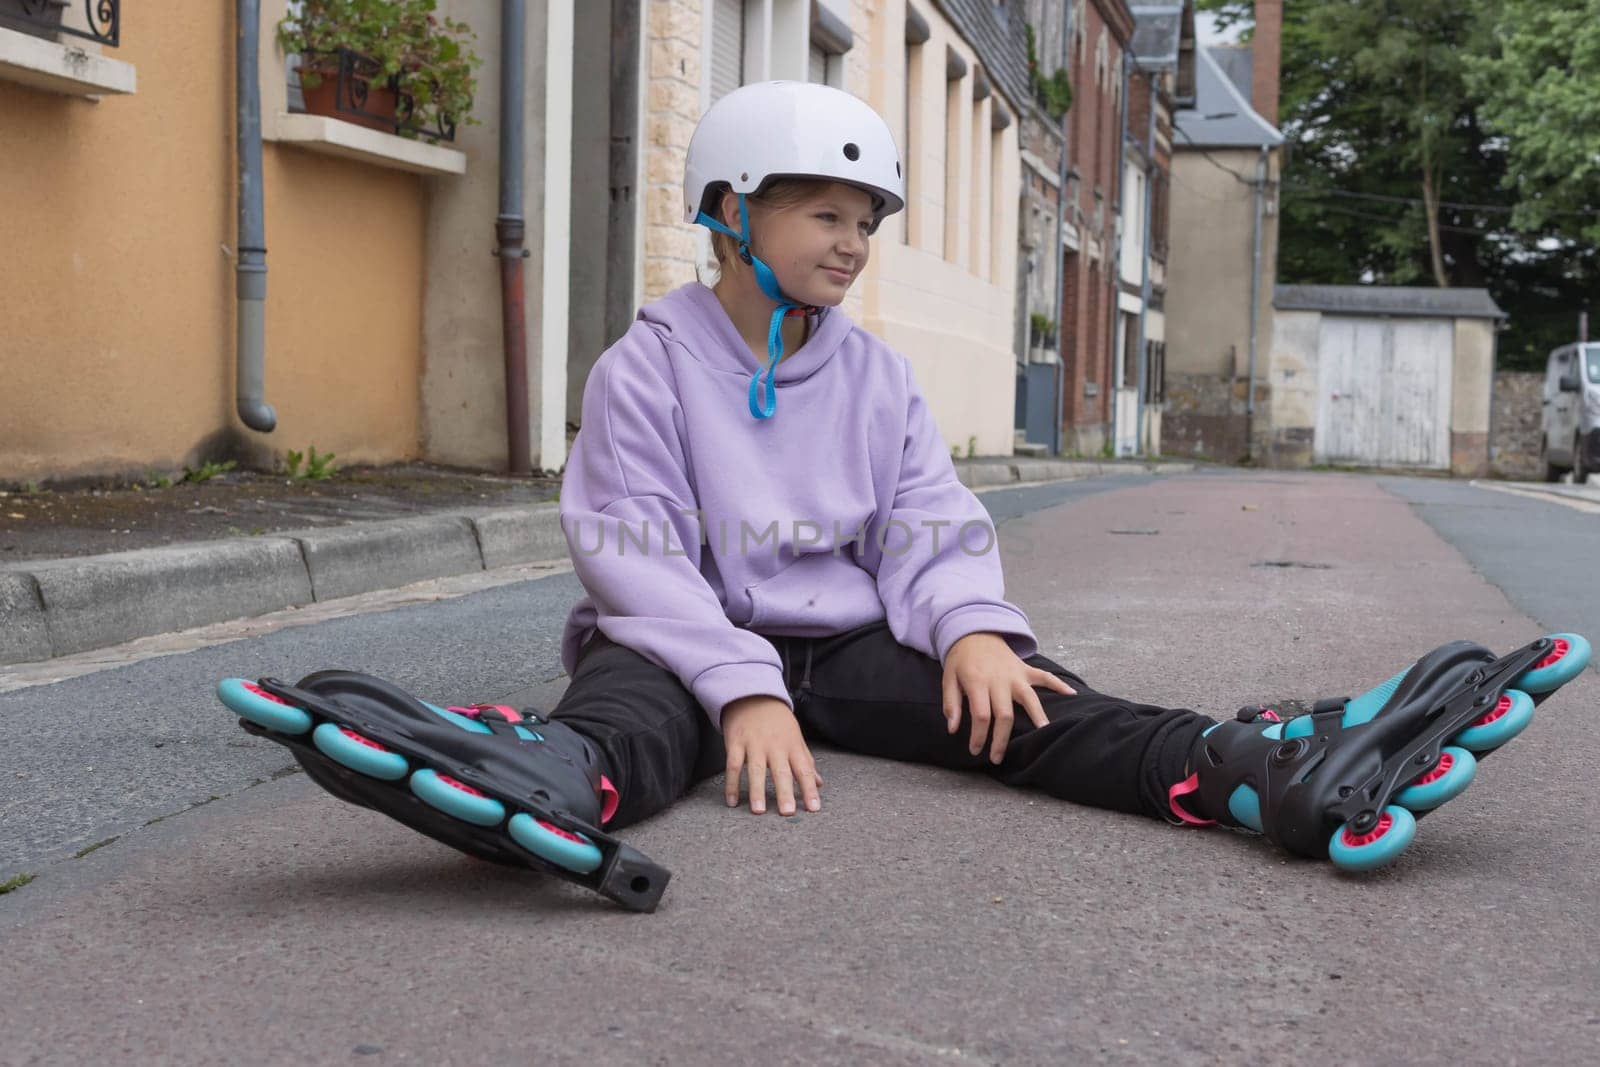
column 864, row 692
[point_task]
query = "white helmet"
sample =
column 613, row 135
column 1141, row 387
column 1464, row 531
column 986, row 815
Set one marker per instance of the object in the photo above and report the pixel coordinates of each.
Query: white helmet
column 791, row 129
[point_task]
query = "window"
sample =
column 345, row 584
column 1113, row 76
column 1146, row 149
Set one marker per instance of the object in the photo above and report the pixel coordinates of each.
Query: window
column 830, row 40
column 727, row 47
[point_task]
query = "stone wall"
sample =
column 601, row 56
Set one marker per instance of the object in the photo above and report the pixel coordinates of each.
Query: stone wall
column 1518, row 417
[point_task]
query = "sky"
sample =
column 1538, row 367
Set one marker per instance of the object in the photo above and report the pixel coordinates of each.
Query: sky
column 1205, row 30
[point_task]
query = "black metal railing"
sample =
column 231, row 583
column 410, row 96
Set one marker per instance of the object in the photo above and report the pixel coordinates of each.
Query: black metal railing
column 354, row 95
column 42, row 18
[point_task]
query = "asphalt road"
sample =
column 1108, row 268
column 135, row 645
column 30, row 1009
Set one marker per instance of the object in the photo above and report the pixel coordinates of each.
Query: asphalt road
column 921, row 916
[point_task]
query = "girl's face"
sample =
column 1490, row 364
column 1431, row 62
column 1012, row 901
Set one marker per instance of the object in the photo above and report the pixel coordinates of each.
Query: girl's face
column 816, row 247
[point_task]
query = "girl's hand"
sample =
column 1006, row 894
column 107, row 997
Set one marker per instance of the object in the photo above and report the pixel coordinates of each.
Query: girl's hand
column 762, row 731
column 994, row 678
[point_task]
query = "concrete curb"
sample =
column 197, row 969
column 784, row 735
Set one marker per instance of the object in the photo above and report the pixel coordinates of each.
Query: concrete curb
column 54, row 608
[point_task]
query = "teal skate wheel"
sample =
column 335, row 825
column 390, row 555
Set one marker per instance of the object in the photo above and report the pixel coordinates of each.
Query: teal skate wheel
column 1509, row 718
column 249, row 701
column 362, row 754
column 1564, row 663
column 1351, row 851
column 1443, row 781
column 573, row 852
column 457, row 799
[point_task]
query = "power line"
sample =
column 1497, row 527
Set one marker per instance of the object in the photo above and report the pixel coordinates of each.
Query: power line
column 1499, row 208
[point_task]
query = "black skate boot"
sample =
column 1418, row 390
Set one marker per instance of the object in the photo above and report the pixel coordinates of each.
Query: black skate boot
column 506, row 786
column 1348, row 782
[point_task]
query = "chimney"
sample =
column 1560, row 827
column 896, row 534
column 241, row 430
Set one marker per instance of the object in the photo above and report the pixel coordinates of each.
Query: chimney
column 1266, row 58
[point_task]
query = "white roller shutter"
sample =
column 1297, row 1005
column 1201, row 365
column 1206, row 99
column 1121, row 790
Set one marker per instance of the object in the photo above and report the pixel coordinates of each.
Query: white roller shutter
column 727, row 47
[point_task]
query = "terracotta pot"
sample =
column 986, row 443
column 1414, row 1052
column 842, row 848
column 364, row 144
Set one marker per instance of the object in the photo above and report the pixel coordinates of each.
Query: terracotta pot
column 377, row 112
column 44, row 16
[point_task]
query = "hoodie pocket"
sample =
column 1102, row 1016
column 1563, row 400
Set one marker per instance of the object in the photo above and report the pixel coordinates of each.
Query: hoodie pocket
column 820, row 593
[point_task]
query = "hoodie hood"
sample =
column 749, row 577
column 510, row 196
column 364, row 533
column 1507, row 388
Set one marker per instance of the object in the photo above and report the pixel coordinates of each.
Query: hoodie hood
column 692, row 318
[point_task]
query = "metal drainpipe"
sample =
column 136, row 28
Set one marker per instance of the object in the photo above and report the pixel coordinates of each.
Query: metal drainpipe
column 1061, row 245
column 1114, row 259
column 1144, row 264
column 1255, row 304
column 509, row 232
column 250, row 266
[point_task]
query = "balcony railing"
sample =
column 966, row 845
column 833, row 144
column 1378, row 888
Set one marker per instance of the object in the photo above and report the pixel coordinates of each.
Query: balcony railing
column 361, row 94
column 43, row 18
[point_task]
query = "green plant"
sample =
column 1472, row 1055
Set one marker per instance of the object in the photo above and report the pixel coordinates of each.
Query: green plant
column 317, row 466
column 423, row 55
column 207, row 471
column 16, row 883
column 1053, row 91
column 1042, row 329
column 972, row 447
column 156, row 480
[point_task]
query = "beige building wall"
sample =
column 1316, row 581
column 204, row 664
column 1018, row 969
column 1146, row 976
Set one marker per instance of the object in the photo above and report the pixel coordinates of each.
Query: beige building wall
column 1471, row 396
column 117, row 287
column 1209, row 271
column 1208, row 265
column 946, row 298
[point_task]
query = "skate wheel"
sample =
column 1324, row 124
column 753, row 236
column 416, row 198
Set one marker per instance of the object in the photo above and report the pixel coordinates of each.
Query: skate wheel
column 1564, row 663
column 571, row 851
column 249, row 701
column 1508, row 719
column 1443, row 781
column 1351, row 851
column 362, row 754
column 457, row 799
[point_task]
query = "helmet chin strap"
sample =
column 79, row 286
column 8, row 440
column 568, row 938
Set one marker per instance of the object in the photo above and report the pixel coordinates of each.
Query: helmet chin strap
column 769, row 285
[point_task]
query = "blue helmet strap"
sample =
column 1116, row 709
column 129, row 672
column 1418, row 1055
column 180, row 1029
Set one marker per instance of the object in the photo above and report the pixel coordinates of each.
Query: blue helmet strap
column 768, row 282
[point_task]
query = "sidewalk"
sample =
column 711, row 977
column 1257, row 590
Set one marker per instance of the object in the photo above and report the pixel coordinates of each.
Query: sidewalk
column 241, row 545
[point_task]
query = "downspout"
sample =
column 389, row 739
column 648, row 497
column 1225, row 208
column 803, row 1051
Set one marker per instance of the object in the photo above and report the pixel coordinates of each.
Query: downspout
column 1061, row 245
column 509, row 228
column 1144, row 279
column 1114, row 260
column 1255, row 305
column 250, row 266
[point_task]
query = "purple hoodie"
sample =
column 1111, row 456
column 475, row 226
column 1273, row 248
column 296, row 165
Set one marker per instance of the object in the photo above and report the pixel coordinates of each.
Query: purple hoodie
column 692, row 524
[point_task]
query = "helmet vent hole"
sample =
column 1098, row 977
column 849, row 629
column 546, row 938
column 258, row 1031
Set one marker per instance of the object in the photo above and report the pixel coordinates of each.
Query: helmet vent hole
column 745, row 176
column 897, row 168
column 851, row 152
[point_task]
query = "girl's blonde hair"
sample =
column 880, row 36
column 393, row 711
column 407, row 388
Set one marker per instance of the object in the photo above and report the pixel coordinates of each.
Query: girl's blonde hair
column 781, row 193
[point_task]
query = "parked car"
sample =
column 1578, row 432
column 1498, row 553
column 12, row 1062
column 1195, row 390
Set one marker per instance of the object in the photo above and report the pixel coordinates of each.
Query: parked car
column 1571, row 440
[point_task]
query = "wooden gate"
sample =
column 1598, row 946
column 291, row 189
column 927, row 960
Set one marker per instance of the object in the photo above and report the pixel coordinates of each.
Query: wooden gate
column 1383, row 392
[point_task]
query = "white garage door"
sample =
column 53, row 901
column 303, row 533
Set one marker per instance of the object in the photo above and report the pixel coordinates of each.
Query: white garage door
column 1383, row 396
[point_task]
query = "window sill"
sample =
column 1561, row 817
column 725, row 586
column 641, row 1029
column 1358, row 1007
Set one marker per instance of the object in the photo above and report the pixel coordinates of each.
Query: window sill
column 330, row 136
column 61, row 68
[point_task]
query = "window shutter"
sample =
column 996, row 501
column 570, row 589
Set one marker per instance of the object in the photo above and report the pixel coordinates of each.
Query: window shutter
column 817, row 68
column 727, row 47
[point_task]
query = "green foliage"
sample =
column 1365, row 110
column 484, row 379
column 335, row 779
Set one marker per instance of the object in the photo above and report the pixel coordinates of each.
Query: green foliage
column 1539, row 82
column 425, row 56
column 207, row 471
column 317, row 467
column 972, row 447
column 156, row 480
column 1388, row 111
column 16, row 883
column 1041, row 329
column 1053, row 90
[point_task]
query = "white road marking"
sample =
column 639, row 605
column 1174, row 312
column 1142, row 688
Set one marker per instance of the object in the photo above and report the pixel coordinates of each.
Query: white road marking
column 1552, row 494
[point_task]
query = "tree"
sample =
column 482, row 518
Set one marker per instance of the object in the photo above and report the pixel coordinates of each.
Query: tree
column 1393, row 175
column 1540, row 88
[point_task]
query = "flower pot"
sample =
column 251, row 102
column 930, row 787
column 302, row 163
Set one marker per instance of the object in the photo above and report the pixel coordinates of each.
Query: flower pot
column 378, row 109
column 37, row 18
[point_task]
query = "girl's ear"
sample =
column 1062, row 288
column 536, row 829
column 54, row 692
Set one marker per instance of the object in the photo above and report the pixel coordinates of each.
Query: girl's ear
column 729, row 213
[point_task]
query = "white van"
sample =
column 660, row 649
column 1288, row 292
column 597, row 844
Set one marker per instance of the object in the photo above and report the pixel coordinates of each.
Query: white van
column 1571, row 440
